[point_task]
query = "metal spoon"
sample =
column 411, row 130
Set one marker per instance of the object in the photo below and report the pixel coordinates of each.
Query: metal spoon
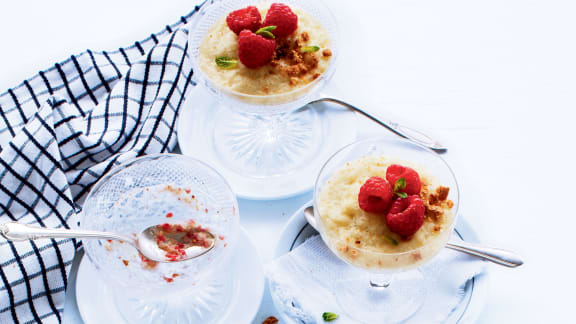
column 498, row 256
column 144, row 242
column 400, row 130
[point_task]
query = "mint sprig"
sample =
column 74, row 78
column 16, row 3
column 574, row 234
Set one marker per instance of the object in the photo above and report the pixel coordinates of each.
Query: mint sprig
column 391, row 239
column 266, row 32
column 329, row 317
column 226, row 62
column 398, row 186
column 309, row 49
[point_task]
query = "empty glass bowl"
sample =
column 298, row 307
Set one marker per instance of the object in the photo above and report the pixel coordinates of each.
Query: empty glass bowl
column 152, row 190
column 391, row 288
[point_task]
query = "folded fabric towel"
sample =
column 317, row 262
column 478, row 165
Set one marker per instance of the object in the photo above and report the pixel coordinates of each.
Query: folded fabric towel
column 63, row 129
column 302, row 283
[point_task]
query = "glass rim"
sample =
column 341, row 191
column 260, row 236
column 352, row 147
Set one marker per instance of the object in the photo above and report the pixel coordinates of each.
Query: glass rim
column 131, row 162
column 377, row 139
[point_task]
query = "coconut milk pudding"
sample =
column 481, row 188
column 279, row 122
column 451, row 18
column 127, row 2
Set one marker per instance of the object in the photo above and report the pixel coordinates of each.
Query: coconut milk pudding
column 265, row 50
column 381, row 213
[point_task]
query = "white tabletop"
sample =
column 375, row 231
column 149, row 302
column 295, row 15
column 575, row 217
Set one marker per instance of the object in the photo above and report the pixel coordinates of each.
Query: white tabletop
column 494, row 80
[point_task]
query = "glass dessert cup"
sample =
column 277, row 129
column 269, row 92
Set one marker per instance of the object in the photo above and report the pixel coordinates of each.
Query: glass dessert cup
column 264, row 135
column 389, row 286
column 158, row 189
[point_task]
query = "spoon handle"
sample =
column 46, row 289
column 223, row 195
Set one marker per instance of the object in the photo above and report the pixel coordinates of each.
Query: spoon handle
column 400, row 130
column 14, row 231
column 499, row 256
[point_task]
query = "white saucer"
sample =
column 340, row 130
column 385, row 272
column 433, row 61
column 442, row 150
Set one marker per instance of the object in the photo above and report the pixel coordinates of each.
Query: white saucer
column 297, row 230
column 195, row 138
column 95, row 302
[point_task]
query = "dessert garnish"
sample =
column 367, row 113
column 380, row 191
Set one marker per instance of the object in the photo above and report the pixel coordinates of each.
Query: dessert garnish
column 329, row 316
column 399, row 186
column 255, row 50
column 309, row 49
column 406, row 215
column 247, row 18
column 391, row 239
column 375, row 195
column 413, row 184
column 226, row 62
column 402, row 206
column 266, row 31
column 281, row 16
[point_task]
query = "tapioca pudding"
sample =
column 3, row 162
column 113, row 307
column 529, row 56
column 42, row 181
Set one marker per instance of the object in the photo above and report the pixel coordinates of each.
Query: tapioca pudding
column 378, row 212
column 265, row 50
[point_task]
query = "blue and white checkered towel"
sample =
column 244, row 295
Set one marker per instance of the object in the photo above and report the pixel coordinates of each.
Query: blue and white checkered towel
column 60, row 131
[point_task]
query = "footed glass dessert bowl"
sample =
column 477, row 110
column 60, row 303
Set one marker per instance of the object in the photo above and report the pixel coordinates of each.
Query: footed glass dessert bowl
column 385, row 206
column 178, row 193
column 264, row 61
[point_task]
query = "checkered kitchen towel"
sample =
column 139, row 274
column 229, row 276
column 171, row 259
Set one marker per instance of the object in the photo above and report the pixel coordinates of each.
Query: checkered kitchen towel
column 60, row 131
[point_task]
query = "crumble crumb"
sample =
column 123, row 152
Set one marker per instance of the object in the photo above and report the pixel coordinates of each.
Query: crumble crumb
column 270, row 320
column 432, row 213
column 442, row 193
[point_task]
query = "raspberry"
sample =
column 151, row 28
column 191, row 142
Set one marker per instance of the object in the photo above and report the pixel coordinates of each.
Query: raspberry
column 254, row 50
column 247, row 18
column 406, row 215
column 375, row 195
column 281, row 16
column 413, row 184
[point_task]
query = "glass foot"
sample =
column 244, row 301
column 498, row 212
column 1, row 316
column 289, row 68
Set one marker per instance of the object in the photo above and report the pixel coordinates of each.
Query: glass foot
column 382, row 300
column 203, row 304
column 263, row 146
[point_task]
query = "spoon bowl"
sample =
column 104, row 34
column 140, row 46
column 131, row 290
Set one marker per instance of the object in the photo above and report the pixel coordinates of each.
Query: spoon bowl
column 147, row 245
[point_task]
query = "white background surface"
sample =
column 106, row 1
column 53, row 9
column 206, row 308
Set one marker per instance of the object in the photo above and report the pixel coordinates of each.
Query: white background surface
column 494, row 79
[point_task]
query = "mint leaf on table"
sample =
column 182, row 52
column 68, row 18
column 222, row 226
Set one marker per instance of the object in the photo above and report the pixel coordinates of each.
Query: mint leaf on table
column 329, row 317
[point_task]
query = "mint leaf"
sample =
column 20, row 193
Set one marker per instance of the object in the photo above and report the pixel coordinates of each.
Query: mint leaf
column 329, row 317
column 226, row 62
column 309, row 49
column 400, row 184
column 266, row 32
column 267, row 28
column 401, row 194
column 391, row 239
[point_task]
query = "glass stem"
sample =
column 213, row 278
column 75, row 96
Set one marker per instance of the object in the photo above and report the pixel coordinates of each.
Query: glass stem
column 379, row 280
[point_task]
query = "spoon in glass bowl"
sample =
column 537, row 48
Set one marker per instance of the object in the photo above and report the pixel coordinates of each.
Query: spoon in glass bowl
column 498, row 256
column 153, row 243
